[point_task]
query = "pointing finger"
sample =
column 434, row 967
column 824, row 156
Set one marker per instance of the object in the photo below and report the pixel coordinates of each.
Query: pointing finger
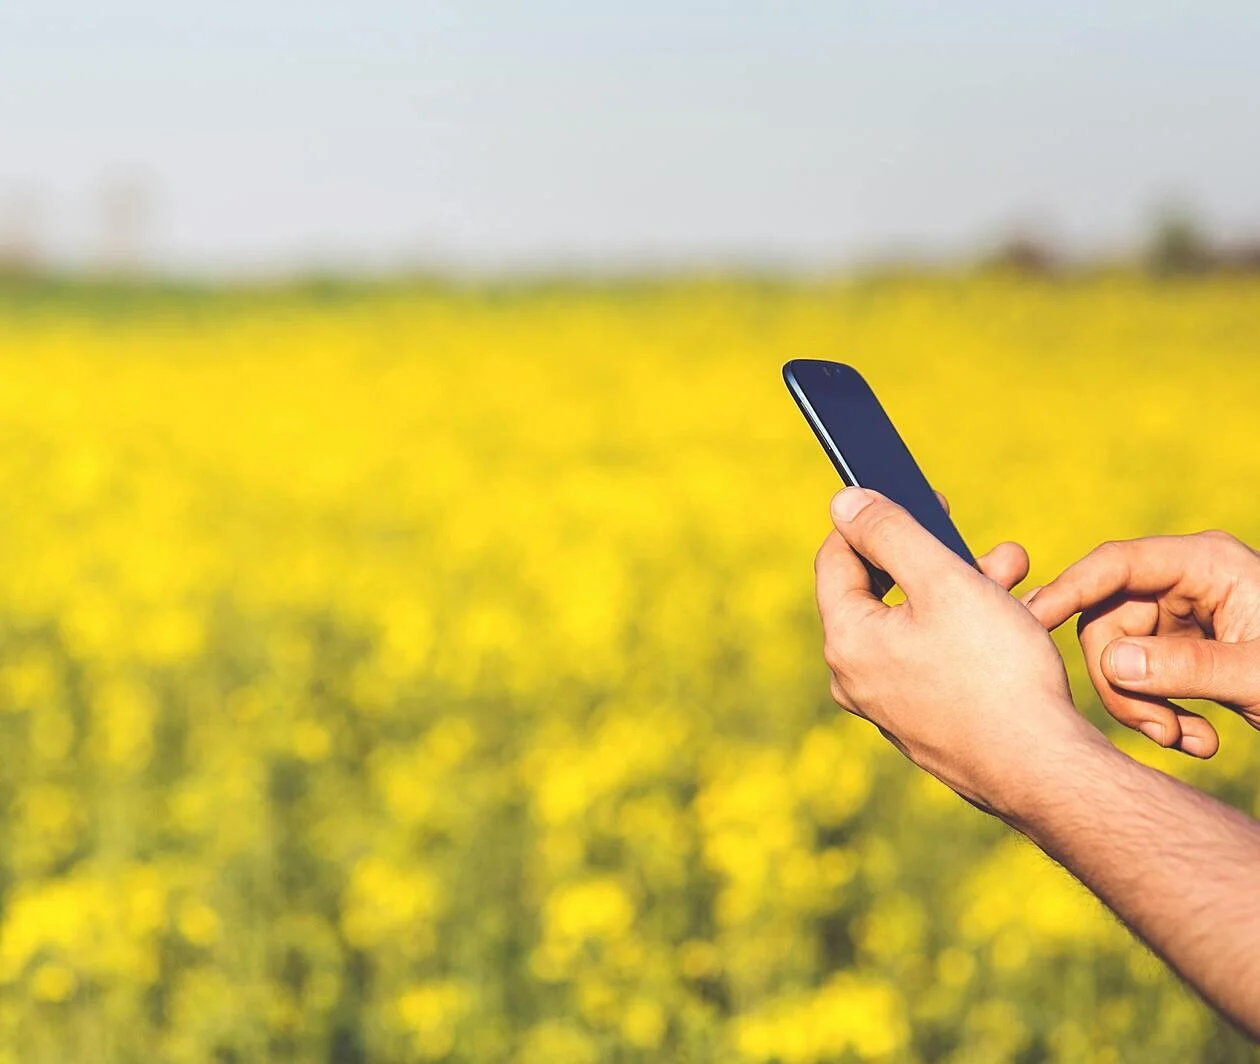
column 1140, row 567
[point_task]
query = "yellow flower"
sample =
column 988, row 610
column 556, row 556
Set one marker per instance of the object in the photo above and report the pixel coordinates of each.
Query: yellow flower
column 198, row 923
column 415, row 671
column 53, row 982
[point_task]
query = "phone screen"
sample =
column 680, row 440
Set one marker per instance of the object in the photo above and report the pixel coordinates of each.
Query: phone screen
column 863, row 445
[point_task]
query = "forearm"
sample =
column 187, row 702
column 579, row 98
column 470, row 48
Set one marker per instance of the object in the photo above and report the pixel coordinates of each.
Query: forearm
column 1177, row 866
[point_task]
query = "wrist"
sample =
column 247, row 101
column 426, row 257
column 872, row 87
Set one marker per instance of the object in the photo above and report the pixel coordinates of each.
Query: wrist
column 1051, row 783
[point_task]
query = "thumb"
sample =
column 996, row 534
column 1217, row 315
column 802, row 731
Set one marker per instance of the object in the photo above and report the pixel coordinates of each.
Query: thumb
column 1176, row 667
column 887, row 536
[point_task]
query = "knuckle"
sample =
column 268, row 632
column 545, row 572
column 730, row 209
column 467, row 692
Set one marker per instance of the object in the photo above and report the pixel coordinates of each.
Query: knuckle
column 833, row 655
column 1199, row 662
column 1109, row 557
column 844, row 654
column 1110, row 548
column 1225, row 544
column 1216, row 535
column 881, row 519
column 855, row 692
column 823, row 553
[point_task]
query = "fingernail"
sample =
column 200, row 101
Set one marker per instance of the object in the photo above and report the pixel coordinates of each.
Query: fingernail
column 1030, row 594
column 1128, row 661
column 1194, row 745
column 849, row 503
column 1153, row 730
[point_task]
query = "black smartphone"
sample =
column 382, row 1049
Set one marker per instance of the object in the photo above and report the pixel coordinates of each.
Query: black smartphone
column 865, row 448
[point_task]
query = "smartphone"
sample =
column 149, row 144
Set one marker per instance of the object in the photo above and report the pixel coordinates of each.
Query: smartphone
column 865, row 448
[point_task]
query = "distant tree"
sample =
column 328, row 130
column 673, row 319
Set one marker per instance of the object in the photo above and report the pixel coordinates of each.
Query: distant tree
column 1178, row 244
column 1026, row 253
column 19, row 233
column 1243, row 256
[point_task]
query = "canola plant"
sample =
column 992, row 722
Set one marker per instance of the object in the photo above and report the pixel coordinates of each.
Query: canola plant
column 433, row 674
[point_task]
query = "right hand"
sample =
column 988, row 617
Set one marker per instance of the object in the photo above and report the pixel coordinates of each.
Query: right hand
column 958, row 677
column 1165, row 617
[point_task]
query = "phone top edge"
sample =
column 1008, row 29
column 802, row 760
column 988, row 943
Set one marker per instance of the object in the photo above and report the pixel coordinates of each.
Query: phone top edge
column 826, row 364
column 815, row 422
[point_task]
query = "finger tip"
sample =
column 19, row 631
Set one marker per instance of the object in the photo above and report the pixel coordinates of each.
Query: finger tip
column 848, row 502
column 1006, row 564
column 1020, row 562
column 1201, row 742
column 1017, row 547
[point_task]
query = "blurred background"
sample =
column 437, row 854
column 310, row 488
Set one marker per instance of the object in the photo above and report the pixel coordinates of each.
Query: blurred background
column 407, row 642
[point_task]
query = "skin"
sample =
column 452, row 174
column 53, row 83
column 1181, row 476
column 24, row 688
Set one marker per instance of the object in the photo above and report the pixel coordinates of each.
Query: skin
column 964, row 679
column 1165, row 617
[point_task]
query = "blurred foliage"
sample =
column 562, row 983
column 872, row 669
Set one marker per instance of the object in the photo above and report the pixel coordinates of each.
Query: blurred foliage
column 1178, row 244
column 429, row 674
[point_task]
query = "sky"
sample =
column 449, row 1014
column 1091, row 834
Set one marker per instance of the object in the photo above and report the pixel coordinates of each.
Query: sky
column 259, row 136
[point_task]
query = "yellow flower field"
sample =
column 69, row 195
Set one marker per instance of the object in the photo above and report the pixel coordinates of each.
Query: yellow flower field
column 428, row 674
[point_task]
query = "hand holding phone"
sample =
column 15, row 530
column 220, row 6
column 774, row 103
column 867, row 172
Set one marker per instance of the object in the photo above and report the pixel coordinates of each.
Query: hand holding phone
column 940, row 677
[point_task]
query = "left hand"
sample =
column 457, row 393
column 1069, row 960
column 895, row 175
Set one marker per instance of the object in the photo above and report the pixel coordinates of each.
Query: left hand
column 1161, row 618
